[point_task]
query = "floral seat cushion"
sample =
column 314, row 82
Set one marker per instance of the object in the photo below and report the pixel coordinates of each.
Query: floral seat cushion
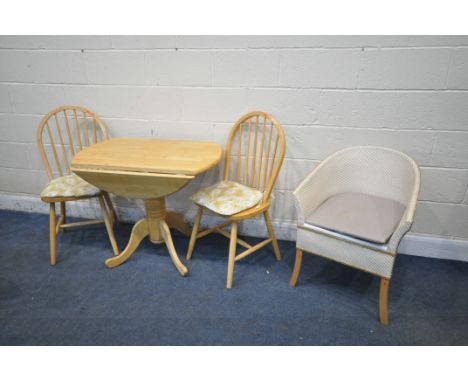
column 227, row 198
column 69, row 186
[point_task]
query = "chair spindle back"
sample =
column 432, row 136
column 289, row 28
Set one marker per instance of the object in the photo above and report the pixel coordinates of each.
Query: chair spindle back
column 255, row 151
column 63, row 132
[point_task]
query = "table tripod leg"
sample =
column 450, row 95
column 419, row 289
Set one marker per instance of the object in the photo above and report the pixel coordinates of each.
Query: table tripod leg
column 139, row 232
column 176, row 221
column 166, row 234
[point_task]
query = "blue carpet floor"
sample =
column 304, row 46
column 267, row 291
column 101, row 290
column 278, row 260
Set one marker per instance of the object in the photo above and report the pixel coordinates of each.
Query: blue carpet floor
column 146, row 302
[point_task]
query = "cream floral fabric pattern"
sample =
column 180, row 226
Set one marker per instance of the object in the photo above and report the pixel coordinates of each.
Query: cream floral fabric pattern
column 69, row 186
column 227, row 198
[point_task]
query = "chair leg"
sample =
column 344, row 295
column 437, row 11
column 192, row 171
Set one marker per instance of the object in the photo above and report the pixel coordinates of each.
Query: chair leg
column 108, row 224
column 272, row 235
column 111, row 209
column 53, row 258
column 63, row 212
column 193, row 236
column 232, row 255
column 61, row 220
column 383, row 301
column 297, row 268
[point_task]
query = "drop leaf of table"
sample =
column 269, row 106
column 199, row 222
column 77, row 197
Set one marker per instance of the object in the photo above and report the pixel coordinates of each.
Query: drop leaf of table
column 148, row 169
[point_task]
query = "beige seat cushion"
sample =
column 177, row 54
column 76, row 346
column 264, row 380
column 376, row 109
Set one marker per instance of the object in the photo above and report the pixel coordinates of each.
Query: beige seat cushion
column 227, row 198
column 69, row 186
column 363, row 216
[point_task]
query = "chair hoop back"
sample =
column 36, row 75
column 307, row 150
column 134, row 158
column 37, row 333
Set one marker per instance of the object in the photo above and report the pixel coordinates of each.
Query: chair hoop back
column 63, row 132
column 255, row 151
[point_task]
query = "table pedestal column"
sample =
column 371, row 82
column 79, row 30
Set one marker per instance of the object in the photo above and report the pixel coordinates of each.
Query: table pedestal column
column 153, row 225
column 155, row 212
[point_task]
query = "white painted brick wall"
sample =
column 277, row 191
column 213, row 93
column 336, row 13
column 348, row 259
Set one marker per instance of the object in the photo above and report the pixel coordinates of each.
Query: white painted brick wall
column 211, row 42
column 458, row 74
column 322, row 68
column 19, row 181
column 14, row 155
column 35, row 99
column 450, row 149
column 421, row 41
column 18, row 128
column 329, row 92
column 5, row 102
column 212, row 104
column 317, row 142
column 442, row 219
column 404, row 68
column 246, row 68
column 143, row 42
column 42, row 67
column 127, row 68
column 55, row 42
column 182, row 68
column 151, row 103
column 292, row 106
column 443, row 185
column 275, row 42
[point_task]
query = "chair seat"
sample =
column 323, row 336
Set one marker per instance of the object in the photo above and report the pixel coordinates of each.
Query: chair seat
column 366, row 217
column 69, row 186
column 227, row 198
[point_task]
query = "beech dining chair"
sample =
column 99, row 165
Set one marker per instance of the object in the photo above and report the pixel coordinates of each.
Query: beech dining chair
column 61, row 134
column 253, row 158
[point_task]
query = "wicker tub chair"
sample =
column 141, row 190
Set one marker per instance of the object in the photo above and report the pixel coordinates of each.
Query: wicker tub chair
column 354, row 208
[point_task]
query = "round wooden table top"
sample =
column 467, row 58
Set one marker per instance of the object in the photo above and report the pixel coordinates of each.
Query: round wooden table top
column 144, row 168
column 149, row 155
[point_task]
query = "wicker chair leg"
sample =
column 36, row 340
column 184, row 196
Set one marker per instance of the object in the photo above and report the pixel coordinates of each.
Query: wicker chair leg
column 297, row 268
column 53, row 235
column 232, row 255
column 193, row 236
column 383, row 301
